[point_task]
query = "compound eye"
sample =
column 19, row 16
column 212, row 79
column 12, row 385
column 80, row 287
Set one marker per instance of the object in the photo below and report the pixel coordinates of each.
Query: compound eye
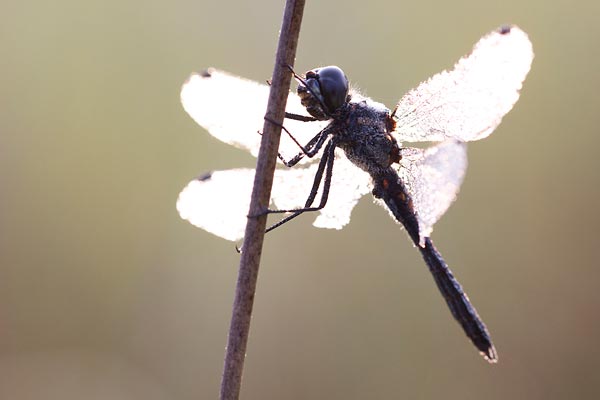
column 330, row 85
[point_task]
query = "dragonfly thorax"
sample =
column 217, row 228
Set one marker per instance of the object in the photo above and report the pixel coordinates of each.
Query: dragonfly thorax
column 364, row 133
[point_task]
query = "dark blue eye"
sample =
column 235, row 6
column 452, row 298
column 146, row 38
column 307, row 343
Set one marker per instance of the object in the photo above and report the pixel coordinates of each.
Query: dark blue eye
column 330, row 85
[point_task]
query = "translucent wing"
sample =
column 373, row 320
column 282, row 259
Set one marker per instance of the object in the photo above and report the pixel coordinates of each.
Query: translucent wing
column 433, row 177
column 468, row 102
column 219, row 202
column 232, row 110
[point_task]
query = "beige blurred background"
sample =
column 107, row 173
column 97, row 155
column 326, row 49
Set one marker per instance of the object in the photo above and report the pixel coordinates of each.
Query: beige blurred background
column 105, row 293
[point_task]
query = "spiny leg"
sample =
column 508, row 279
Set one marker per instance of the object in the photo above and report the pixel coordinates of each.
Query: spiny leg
column 310, row 150
column 325, row 165
column 298, row 117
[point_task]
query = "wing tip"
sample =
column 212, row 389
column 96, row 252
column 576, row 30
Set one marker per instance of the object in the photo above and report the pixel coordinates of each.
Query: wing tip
column 207, row 73
column 204, row 177
column 202, row 74
column 505, row 29
column 515, row 31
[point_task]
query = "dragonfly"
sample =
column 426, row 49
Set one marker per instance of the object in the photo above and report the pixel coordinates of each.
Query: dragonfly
column 341, row 145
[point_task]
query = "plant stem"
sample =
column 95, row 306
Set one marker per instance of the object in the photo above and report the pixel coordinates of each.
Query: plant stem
column 261, row 193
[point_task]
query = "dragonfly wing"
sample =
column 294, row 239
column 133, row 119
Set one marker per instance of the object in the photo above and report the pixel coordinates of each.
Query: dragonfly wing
column 219, row 202
column 232, row 110
column 468, row 102
column 433, row 177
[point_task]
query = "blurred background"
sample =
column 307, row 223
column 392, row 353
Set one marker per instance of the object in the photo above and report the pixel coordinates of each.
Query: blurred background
column 106, row 293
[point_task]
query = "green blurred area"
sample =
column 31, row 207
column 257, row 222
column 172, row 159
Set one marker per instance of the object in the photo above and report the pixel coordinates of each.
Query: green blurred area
column 106, row 293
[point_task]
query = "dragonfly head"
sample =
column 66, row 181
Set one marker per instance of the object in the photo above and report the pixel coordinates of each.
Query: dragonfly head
column 323, row 91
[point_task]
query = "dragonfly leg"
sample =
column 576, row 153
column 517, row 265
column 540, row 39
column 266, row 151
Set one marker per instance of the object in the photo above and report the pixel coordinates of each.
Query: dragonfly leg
column 324, row 173
column 310, row 150
column 298, row 117
column 327, row 160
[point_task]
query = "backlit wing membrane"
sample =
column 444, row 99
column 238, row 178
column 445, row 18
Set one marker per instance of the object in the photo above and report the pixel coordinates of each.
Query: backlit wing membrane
column 232, row 110
column 468, row 102
column 433, row 177
column 219, row 202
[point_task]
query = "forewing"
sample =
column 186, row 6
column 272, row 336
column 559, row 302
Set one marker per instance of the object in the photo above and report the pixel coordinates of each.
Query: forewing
column 433, row 177
column 232, row 109
column 219, row 202
column 468, row 102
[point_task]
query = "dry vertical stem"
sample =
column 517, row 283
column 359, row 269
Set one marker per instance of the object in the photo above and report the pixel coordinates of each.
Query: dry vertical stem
column 261, row 193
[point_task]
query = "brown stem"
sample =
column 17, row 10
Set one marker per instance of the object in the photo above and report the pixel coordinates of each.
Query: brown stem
column 261, row 193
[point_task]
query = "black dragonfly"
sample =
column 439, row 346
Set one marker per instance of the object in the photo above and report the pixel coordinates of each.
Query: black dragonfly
column 362, row 139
